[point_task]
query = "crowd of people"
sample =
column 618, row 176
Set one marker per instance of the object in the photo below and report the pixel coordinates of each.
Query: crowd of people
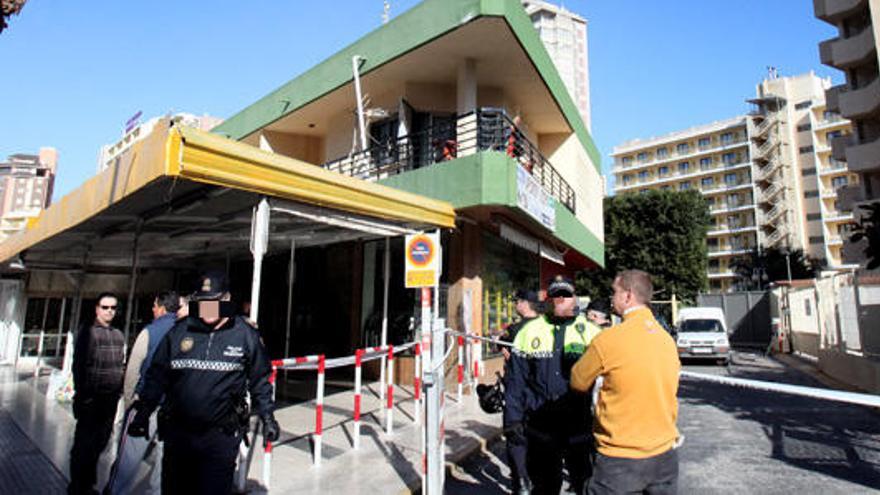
column 581, row 397
column 184, row 390
column 589, row 399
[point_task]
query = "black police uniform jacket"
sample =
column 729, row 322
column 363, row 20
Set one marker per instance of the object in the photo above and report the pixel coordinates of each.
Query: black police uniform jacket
column 203, row 373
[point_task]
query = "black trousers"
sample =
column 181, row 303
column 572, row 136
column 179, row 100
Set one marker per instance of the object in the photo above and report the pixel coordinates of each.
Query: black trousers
column 559, row 435
column 656, row 475
column 196, row 463
column 94, row 424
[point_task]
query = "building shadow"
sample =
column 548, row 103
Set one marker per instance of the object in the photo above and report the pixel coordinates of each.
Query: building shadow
column 839, row 440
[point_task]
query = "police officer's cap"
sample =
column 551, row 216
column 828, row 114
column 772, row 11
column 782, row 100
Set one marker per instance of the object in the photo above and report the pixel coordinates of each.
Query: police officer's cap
column 560, row 287
column 599, row 305
column 526, row 295
column 212, row 285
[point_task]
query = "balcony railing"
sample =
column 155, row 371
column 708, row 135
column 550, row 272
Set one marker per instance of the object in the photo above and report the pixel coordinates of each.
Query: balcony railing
column 486, row 129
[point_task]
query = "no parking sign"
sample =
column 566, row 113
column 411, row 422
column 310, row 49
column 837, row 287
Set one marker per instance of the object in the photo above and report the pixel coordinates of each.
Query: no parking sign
column 422, row 260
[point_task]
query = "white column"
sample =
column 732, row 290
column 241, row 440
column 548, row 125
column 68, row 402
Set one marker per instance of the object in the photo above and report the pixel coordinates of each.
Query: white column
column 465, row 106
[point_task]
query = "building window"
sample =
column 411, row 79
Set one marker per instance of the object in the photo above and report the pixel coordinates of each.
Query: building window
column 664, row 188
column 838, row 182
column 627, row 179
column 684, row 186
column 804, row 127
column 805, row 149
column 833, row 134
column 627, row 161
column 733, row 200
column 705, row 163
column 730, row 179
column 644, row 191
column 707, row 182
column 726, row 138
column 642, row 157
column 683, row 167
column 664, row 170
column 814, row 216
column 713, row 263
column 643, row 175
column 811, row 194
column 808, row 171
column 704, row 142
column 728, row 158
column 830, row 116
column 807, row 309
column 682, row 148
column 712, row 241
column 662, row 153
column 802, row 105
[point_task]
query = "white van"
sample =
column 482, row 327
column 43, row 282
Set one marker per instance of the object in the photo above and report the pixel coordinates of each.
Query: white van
column 702, row 333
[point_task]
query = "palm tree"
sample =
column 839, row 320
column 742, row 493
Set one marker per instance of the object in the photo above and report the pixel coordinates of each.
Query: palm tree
column 9, row 8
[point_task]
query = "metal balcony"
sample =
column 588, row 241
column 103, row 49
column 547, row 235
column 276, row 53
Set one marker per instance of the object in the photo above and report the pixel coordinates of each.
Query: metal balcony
column 486, row 129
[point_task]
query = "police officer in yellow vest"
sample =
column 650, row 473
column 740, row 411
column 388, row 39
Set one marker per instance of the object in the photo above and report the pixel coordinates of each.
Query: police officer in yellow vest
column 541, row 414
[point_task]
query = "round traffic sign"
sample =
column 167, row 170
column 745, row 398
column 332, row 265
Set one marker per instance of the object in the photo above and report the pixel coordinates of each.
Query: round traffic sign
column 420, row 250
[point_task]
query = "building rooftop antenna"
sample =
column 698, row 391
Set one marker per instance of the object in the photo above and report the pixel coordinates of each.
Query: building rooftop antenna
column 386, row 11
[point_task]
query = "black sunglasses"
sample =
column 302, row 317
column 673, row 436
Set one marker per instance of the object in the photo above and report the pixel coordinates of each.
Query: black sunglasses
column 113, row 308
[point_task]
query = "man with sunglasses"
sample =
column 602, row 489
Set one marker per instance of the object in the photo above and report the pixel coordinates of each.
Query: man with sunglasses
column 98, row 373
column 541, row 414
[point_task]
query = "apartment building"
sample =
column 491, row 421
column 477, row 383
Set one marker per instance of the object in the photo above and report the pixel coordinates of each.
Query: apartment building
column 564, row 34
column 767, row 176
column 26, row 183
column 473, row 112
column 109, row 152
column 854, row 51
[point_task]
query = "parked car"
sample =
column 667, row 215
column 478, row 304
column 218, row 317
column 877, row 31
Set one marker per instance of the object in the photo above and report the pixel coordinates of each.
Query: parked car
column 701, row 333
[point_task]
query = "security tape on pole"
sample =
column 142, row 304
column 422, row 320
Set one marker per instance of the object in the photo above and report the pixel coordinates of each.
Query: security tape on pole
column 814, row 392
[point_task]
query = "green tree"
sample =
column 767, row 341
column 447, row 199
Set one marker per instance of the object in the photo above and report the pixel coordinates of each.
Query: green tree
column 762, row 266
column 7, row 9
column 661, row 232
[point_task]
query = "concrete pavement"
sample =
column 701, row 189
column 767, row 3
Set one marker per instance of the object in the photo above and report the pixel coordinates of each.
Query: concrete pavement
column 39, row 433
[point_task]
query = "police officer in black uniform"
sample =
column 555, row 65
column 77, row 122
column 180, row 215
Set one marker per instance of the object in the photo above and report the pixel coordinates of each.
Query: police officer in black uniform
column 200, row 373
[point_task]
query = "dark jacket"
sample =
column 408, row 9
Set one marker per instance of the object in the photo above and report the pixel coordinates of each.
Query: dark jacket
column 203, row 374
column 157, row 331
column 544, row 351
column 98, row 361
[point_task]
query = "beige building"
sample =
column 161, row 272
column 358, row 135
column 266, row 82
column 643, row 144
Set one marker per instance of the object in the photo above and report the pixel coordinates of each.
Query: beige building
column 854, row 51
column 768, row 176
column 564, row 34
column 109, row 152
column 26, row 183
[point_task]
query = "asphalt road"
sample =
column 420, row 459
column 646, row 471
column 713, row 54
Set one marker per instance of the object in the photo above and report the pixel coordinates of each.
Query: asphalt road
column 744, row 441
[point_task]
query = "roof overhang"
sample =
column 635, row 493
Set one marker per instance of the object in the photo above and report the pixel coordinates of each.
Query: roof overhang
column 427, row 40
column 189, row 195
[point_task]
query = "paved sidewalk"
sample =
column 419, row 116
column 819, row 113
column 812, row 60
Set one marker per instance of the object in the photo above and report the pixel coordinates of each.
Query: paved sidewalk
column 37, row 434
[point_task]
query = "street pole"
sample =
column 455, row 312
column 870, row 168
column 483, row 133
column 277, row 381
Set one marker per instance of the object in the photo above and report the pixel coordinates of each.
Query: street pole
column 788, row 266
column 433, row 380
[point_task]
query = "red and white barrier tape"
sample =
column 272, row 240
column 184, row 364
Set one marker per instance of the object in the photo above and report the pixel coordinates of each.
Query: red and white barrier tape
column 460, row 366
column 358, row 360
column 389, row 409
column 319, row 412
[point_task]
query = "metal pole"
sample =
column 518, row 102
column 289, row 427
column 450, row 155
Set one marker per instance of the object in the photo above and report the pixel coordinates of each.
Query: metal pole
column 135, row 259
column 60, row 327
column 788, row 266
column 259, row 244
column 67, row 364
column 386, row 267
column 434, row 454
column 355, row 69
column 290, row 277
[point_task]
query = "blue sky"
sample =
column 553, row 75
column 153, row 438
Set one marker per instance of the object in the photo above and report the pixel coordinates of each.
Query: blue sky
column 71, row 74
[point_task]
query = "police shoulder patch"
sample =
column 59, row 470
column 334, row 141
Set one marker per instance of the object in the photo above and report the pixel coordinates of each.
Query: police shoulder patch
column 536, row 343
column 186, row 344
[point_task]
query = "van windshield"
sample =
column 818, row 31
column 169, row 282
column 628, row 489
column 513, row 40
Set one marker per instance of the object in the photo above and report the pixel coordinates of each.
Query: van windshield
column 700, row 326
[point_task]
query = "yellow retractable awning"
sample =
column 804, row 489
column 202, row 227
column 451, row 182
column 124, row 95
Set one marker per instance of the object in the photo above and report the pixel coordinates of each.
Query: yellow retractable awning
column 153, row 175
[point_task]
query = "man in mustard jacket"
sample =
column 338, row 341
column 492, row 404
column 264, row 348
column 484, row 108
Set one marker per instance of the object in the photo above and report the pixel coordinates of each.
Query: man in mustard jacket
column 637, row 409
